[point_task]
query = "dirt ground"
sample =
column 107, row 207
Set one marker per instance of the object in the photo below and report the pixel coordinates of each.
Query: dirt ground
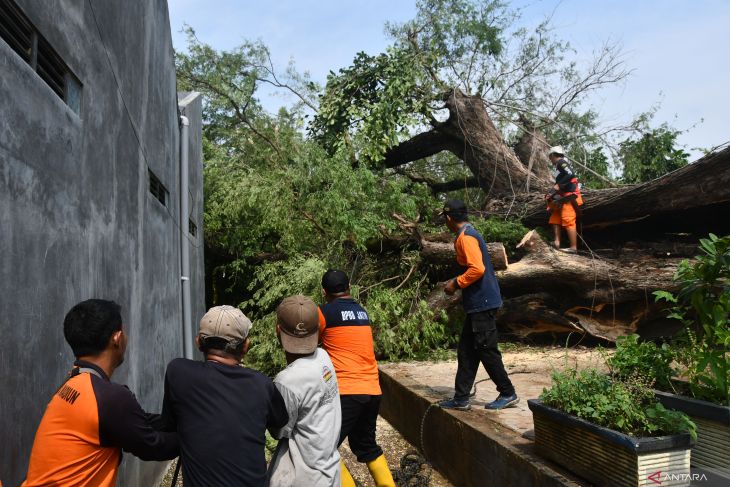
column 394, row 448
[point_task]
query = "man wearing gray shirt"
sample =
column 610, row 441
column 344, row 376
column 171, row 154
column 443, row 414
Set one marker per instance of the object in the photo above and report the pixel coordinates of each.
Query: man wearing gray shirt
column 307, row 451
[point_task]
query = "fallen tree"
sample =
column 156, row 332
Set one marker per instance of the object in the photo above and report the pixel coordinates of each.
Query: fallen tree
column 470, row 134
column 551, row 291
column 434, row 249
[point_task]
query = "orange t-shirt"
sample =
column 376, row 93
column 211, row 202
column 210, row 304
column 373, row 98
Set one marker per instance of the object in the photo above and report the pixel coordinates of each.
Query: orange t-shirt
column 468, row 255
column 344, row 328
column 67, row 450
column 87, row 424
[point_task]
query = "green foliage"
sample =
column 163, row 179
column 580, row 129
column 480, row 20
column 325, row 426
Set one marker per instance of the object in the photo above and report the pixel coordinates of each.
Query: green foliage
column 598, row 162
column 405, row 328
column 270, row 284
column 703, row 305
column 509, row 232
column 375, row 101
column 652, row 155
column 463, row 37
column 634, row 358
column 271, row 444
column 627, row 406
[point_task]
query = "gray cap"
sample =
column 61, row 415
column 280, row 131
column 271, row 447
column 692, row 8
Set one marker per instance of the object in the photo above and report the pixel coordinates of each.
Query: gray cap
column 225, row 322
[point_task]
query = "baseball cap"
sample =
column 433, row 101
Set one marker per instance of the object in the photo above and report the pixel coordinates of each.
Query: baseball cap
column 225, row 322
column 298, row 320
column 453, row 207
column 335, row 281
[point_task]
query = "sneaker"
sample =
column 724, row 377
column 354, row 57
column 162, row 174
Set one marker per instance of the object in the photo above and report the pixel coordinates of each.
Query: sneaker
column 455, row 404
column 569, row 251
column 503, row 402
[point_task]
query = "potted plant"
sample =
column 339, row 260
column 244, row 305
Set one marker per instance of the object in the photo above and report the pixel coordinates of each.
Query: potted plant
column 700, row 352
column 611, row 432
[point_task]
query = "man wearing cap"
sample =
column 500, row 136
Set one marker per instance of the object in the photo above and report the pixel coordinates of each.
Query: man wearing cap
column 344, row 327
column 481, row 299
column 307, row 450
column 565, row 201
column 220, row 409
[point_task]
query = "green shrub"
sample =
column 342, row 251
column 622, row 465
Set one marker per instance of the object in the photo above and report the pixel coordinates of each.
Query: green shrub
column 703, row 305
column 509, row 232
column 271, row 283
column 404, row 327
column 627, row 406
column 633, row 358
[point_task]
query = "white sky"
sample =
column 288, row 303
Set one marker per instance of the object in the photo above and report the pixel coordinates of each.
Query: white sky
column 679, row 49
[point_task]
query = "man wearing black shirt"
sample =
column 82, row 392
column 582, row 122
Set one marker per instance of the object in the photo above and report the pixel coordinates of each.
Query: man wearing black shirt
column 221, row 409
column 565, row 201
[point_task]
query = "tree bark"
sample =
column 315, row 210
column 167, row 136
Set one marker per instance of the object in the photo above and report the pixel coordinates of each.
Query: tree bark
column 550, row 291
column 532, row 150
column 443, row 253
column 435, row 250
column 470, row 135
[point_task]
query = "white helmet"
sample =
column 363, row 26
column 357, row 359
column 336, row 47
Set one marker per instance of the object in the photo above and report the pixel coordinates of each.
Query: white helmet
column 558, row 150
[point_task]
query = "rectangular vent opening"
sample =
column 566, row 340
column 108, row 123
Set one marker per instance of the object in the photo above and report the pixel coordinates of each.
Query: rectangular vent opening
column 23, row 38
column 158, row 189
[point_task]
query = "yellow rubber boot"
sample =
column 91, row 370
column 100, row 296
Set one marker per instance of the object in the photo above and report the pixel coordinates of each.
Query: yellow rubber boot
column 346, row 479
column 380, row 472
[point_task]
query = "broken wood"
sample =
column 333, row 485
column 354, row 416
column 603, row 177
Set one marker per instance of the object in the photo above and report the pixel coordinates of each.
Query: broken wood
column 532, row 150
column 436, row 249
column 436, row 252
column 552, row 291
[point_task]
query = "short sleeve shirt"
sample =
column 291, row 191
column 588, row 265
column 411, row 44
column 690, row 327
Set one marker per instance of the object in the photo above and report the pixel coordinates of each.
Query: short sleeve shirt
column 307, row 451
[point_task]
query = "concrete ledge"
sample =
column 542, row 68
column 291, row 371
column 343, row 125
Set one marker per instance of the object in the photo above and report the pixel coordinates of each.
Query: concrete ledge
column 467, row 448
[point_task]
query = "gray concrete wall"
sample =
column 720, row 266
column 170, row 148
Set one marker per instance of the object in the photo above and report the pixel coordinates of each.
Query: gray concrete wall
column 76, row 217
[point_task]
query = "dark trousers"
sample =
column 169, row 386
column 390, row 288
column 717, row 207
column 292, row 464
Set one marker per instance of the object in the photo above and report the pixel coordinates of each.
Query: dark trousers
column 478, row 343
column 359, row 414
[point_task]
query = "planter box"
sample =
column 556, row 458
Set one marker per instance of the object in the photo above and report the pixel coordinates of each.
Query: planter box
column 608, row 458
column 712, row 450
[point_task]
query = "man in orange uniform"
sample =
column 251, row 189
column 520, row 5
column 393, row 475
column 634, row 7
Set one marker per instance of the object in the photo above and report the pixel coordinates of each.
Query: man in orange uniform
column 481, row 300
column 344, row 328
column 564, row 203
column 90, row 420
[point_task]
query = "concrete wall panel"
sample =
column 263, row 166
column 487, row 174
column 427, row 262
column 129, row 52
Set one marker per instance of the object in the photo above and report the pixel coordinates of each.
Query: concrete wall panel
column 76, row 217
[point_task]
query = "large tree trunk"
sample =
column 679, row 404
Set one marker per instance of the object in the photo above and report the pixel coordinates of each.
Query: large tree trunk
column 532, row 149
column 436, row 249
column 470, row 135
column 550, row 291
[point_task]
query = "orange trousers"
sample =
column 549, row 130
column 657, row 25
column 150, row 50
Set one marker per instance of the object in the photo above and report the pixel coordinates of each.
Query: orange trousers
column 563, row 215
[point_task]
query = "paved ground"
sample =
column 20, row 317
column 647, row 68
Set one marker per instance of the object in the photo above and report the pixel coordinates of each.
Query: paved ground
column 529, row 369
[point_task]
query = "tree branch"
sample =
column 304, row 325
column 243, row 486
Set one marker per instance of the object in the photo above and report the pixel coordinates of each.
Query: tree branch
column 422, row 145
column 240, row 112
column 441, row 186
